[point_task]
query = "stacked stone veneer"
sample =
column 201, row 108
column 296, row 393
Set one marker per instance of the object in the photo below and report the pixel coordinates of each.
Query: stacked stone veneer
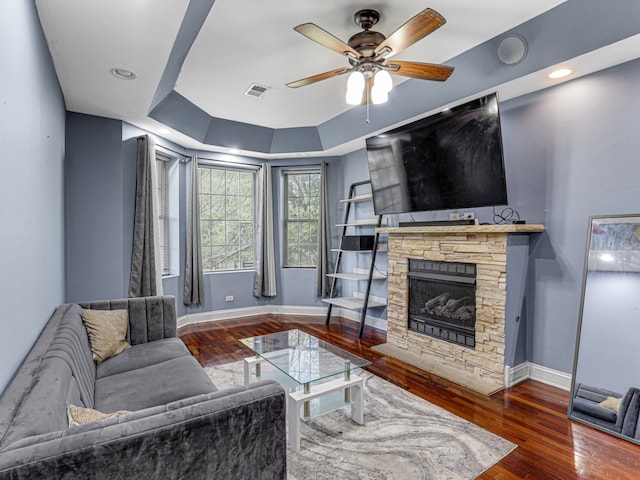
column 489, row 252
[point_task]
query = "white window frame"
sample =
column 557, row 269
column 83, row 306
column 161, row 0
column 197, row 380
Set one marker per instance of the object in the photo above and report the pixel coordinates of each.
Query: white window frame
column 213, row 224
column 288, row 222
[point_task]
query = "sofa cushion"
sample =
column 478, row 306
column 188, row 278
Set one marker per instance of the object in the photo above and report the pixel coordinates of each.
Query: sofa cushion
column 107, row 331
column 71, row 344
column 150, row 318
column 43, row 410
column 594, row 410
column 153, row 385
column 143, row 355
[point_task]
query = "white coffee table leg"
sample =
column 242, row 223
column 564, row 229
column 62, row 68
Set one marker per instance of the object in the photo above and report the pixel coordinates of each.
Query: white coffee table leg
column 248, row 363
column 357, row 405
column 293, row 414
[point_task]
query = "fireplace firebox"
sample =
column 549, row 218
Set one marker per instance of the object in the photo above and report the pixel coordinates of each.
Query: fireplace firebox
column 442, row 300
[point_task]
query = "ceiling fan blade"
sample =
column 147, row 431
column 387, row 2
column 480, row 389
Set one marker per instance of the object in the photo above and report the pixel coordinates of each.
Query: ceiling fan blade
column 324, row 38
column 423, row 71
column 316, row 78
column 413, row 30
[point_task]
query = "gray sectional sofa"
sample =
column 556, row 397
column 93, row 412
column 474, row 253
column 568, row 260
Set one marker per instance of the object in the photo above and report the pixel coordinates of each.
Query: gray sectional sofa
column 586, row 406
column 178, row 426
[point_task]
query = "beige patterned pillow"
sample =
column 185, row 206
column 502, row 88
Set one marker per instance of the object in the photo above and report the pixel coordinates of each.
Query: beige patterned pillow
column 107, row 330
column 81, row 415
column 611, row 403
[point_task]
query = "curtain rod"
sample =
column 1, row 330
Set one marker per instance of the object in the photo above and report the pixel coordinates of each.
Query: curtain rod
column 226, row 163
column 187, row 157
column 293, row 165
column 159, row 145
column 223, row 163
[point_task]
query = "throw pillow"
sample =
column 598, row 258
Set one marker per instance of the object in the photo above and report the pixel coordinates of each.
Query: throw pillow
column 107, row 330
column 81, row 415
column 611, row 403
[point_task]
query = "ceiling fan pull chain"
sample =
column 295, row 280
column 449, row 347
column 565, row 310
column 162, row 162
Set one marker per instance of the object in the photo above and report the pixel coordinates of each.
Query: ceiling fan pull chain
column 368, row 101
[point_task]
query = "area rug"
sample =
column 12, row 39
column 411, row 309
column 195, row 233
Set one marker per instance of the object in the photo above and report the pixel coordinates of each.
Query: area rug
column 403, row 438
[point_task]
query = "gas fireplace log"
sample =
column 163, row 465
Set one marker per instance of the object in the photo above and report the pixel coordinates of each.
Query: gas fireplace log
column 466, row 313
column 438, row 301
column 454, row 305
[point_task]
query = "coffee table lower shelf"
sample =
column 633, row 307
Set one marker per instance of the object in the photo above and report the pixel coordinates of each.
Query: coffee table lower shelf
column 301, row 398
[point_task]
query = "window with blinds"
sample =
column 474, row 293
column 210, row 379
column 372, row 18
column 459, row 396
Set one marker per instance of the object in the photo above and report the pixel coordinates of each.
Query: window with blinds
column 162, row 170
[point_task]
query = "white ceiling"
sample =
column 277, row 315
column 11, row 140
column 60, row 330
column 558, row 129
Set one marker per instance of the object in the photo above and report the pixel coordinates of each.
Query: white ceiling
column 252, row 41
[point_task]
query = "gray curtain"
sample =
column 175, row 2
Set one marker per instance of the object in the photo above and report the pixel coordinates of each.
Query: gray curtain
column 146, row 275
column 264, row 280
column 323, row 285
column 193, row 276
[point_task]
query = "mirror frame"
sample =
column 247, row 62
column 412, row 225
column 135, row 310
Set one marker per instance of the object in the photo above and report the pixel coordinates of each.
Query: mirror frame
column 579, row 329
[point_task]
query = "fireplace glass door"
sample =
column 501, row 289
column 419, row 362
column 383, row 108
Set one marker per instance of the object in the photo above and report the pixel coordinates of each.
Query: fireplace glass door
column 442, row 300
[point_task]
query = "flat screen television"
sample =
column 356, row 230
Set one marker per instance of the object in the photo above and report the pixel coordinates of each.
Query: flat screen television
column 450, row 160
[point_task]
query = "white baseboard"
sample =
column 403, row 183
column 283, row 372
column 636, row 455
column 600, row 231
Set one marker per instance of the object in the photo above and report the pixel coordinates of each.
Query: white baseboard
column 528, row 370
column 216, row 315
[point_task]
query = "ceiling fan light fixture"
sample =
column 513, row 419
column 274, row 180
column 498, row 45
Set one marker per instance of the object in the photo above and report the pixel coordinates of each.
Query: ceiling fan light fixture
column 379, row 95
column 382, row 80
column 355, row 88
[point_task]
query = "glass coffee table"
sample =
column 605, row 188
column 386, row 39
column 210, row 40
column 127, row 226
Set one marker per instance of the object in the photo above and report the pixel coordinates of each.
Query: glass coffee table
column 317, row 376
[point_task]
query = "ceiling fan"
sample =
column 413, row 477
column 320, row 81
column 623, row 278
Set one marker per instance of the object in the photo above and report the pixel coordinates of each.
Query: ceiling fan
column 368, row 51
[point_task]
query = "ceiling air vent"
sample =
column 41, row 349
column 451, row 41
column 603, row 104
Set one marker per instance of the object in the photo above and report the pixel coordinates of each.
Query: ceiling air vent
column 256, row 90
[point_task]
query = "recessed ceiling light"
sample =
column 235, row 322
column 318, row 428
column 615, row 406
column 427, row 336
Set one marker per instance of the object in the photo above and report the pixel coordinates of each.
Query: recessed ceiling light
column 606, row 257
column 560, row 73
column 164, row 131
column 233, row 151
column 123, row 74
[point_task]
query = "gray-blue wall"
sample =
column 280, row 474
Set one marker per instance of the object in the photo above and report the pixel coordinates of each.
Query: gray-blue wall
column 571, row 152
column 100, row 193
column 32, row 128
column 96, row 207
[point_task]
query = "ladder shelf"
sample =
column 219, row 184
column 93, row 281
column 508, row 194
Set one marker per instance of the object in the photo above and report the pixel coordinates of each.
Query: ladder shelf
column 359, row 301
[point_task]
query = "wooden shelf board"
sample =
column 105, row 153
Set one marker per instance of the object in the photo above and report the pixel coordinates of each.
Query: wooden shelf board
column 353, row 303
column 357, row 276
column 358, row 198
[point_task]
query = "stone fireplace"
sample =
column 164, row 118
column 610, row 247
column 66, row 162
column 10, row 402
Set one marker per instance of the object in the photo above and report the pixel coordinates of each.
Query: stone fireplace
column 479, row 252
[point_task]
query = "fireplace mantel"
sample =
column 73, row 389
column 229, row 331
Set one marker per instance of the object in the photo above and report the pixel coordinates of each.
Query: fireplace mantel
column 506, row 228
column 490, row 248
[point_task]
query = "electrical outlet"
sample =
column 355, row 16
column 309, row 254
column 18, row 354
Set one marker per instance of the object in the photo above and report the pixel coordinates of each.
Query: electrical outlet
column 228, row 298
column 468, row 216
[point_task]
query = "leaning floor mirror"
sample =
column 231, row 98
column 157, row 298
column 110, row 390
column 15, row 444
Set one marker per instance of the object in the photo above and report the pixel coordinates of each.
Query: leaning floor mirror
column 605, row 391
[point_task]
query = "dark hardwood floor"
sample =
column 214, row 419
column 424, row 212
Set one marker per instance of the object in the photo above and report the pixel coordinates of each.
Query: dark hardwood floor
column 531, row 414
